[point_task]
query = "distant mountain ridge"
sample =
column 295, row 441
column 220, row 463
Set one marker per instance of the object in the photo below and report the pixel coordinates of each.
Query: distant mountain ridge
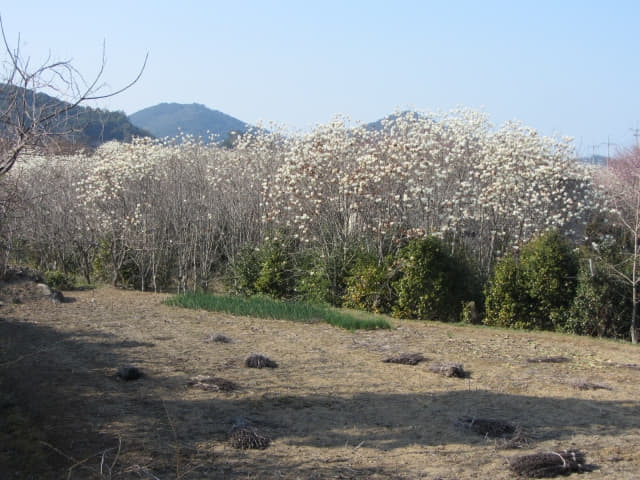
column 80, row 125
column 170, row 119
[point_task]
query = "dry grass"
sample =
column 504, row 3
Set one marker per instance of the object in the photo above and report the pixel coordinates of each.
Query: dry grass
column 331, row 410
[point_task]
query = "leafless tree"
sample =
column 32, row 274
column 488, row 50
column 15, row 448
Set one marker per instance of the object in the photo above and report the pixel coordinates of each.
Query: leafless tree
column 30, row 116
column 620, row 182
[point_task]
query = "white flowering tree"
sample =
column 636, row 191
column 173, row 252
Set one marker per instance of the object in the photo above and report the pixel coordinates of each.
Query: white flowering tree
column 176, row 212
column 448, row 175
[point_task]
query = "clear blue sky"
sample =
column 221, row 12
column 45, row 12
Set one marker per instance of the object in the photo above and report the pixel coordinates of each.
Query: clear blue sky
column 564, row 67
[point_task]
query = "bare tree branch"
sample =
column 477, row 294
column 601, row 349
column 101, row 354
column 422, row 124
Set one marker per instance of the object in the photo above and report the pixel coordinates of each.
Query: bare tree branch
column 28, row 120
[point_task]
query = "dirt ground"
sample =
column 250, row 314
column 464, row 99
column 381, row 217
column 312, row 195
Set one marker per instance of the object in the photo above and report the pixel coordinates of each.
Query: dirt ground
column 332, row 409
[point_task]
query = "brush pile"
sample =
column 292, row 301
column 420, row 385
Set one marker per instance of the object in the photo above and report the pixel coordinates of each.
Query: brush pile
column 259, row 361
column 557, row 359
column 487, row 427
column 509, row 434
column 587, row 385
column 448, row 369
column 215, row 384
column 127, row 372
column 405, row 359
column 549, row 464
column 219, row 338
column 245, row 436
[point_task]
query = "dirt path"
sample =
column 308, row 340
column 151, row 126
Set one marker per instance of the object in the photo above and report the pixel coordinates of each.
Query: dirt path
column 332, row 408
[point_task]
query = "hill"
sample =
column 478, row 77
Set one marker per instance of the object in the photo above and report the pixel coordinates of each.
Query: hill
column 80, row 125
column 169, row 119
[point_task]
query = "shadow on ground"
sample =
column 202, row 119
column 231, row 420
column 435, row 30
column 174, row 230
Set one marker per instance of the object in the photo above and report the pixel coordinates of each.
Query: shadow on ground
column 60, row 398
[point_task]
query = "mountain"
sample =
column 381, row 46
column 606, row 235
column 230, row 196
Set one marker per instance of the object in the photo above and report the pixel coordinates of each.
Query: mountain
column 79, row 125
column 391, row 118
column 169, row 119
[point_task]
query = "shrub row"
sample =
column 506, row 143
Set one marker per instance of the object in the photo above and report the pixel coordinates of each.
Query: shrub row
column 551, row 286
column 547, row 285
column 422, row 281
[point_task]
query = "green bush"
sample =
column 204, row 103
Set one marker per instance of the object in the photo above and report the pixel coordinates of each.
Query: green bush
column 536, row 290
column 312, row 281
column 602, row 305
column 267, row 270
column 276, row 276
column 507, row 301
column 433, row 284
column 245, row 271
column 59, row 280
column 369, row 286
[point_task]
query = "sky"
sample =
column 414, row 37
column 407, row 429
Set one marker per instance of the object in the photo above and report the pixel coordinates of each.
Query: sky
column 566, row 68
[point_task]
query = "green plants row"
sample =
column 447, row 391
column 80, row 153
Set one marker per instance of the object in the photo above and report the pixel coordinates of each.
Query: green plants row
column 266, row 307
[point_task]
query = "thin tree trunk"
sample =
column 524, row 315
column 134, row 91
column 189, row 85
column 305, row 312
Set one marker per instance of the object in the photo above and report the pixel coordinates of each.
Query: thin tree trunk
column 634, row 326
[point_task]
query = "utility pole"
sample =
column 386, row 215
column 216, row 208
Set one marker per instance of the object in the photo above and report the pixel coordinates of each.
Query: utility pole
column 636, row 133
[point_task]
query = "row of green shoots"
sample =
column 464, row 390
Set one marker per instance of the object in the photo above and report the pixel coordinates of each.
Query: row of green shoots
column 265, row 307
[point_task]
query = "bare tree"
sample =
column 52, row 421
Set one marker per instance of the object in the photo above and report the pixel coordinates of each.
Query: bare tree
column 29, row 115
column 620, row 182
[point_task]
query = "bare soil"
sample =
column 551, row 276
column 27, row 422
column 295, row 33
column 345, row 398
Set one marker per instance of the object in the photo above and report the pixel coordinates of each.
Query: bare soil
column 332, row 409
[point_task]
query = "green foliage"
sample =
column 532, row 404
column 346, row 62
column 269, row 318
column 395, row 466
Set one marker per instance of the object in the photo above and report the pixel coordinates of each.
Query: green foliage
column 369, row 286
column 59, row 280
column 507, row 302
column 335, row 264
column 602, row 306
column 433, row 284
column 265, row 307
column 267, row 270
column 312, row 281
column 275, row 277
column 535, row 290
column 245, row 271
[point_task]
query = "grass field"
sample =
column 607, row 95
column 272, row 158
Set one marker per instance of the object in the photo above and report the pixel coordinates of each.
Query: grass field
column 333, row 409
